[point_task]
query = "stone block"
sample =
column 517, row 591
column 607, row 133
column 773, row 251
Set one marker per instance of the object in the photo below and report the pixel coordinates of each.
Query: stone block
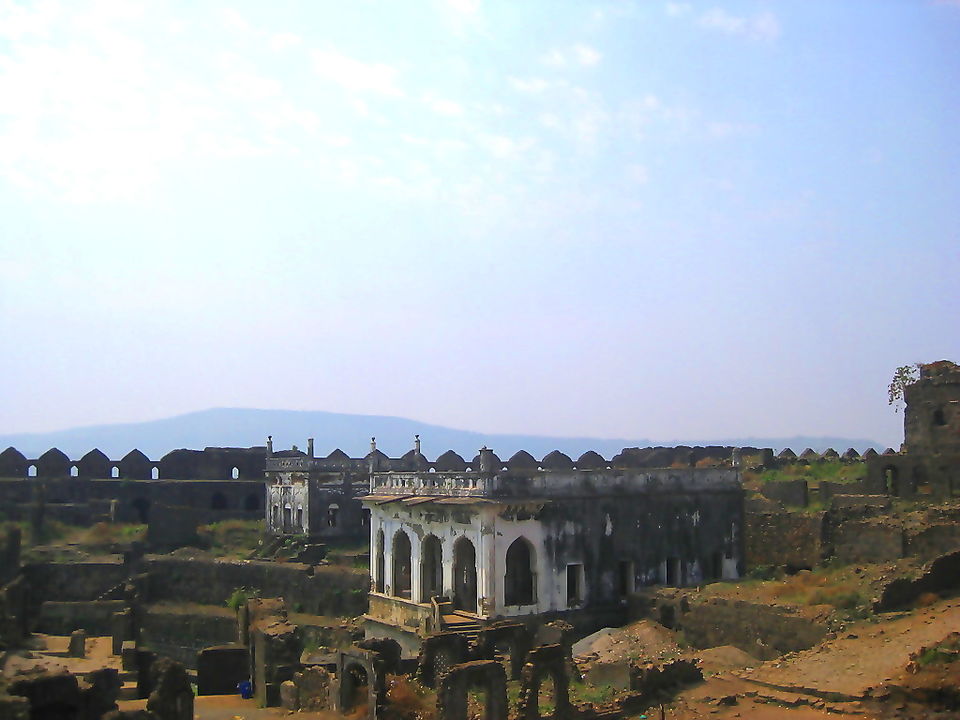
column 78, row 644
column 289, row 696
column 220, row 669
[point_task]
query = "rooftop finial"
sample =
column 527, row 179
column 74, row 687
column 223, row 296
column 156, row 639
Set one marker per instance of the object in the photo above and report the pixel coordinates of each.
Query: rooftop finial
column 373, row 444
column 416, row 443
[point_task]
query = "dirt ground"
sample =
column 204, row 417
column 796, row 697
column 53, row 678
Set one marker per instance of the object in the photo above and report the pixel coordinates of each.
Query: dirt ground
column 844, row 677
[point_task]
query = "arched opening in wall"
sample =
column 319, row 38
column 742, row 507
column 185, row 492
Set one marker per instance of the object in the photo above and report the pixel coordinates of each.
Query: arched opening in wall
column 300, row 525
column 575, row 585
column 235, row 473
column 547, row 696
column 365, row 517
column 518, row 579
column 668, row 616
column 379, row 566
column 32, row 471
column 626, row 578
column 891, row 480
column 921, row 483
column 401, row 565
column 287, row 518
column 355, row 696
column 673, row 572
column 115, row 472
column 218, row 501
column 939, row 419
column 333, row 511
column 251, row 502
column 431, row 568
column 464, row 575
column 275, row 515
column 141, row 507
column 154, row 473
column 74, row 471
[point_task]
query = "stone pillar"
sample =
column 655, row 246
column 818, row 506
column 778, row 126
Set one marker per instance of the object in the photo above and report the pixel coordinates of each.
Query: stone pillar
column 486, row 566
column 310, row 448
column 269, row 445
column 78, row 644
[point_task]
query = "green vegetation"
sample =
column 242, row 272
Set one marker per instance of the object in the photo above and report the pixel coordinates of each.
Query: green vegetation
column 239, row 597
column 830, row 470
column 942, row 654
column 231, row 537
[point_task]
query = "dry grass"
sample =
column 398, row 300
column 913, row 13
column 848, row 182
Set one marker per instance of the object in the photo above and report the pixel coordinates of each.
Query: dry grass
column 408, row 700
column 817, row 588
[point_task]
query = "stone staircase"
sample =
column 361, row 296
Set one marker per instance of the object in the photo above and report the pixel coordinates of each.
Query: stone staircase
column 462, row 623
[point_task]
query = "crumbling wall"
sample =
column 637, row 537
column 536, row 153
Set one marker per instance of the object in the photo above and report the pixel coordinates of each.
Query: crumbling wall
column 784, row 539
column 324, row 590
column 181, row 633
column 937, row 576
column 868, row 540
column 9, row 555
column 790, row 492
column 62, row 618
column 764, row 631
column 73, row 581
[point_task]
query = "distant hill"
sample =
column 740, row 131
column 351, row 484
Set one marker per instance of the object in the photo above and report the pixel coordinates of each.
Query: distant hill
column 239, row 427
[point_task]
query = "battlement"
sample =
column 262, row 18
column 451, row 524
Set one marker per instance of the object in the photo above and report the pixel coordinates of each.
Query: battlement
column 541, row 483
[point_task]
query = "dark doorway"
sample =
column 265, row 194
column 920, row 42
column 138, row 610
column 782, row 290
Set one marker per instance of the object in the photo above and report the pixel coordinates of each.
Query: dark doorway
column 891, row 479
column 380, row 565
column 142, row 507
column 401, row 565
column 355, row 695
column 465, row 576
column 518, row 580
column 431, row 568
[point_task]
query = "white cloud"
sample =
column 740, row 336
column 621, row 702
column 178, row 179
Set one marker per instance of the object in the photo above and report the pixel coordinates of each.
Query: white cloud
column 443, row 106
column 504, row 147
column 464, row 7
column 283, row 40
column 586, row 55
column 762, row 26
column 532, row 85
column 675, row 9
column 637, row 174
column 579, row 54
column 354, row 74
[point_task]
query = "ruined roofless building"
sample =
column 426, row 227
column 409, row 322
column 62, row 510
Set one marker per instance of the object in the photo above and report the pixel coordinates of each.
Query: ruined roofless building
column 453, row 543
column 317, row 497
column 929, row 462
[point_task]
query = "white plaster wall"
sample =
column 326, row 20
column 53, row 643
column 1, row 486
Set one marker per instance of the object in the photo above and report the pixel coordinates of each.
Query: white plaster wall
column 286, row 493
column 392, row 518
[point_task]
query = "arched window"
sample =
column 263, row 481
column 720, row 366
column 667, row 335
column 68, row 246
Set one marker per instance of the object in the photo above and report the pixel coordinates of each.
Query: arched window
column 518, row 581
column 154, row 473
column 431, row 568
column 235, row 473
column 32, row 471
column 332, row 511
column 74, row 472
column 465, row 575
column 401, row 565
column 379, row 566
column 114, row 472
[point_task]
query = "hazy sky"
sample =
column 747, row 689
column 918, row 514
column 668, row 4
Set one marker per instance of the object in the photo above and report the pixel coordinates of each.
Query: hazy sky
column 641, row 219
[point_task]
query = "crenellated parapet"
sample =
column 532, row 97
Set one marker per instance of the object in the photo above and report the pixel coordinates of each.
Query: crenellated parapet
column 211, row 463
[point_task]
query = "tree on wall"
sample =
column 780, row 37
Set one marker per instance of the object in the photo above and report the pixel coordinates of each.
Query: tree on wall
column 902, row 376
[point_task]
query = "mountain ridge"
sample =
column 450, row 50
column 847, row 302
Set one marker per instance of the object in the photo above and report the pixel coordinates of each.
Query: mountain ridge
column 246, row 427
